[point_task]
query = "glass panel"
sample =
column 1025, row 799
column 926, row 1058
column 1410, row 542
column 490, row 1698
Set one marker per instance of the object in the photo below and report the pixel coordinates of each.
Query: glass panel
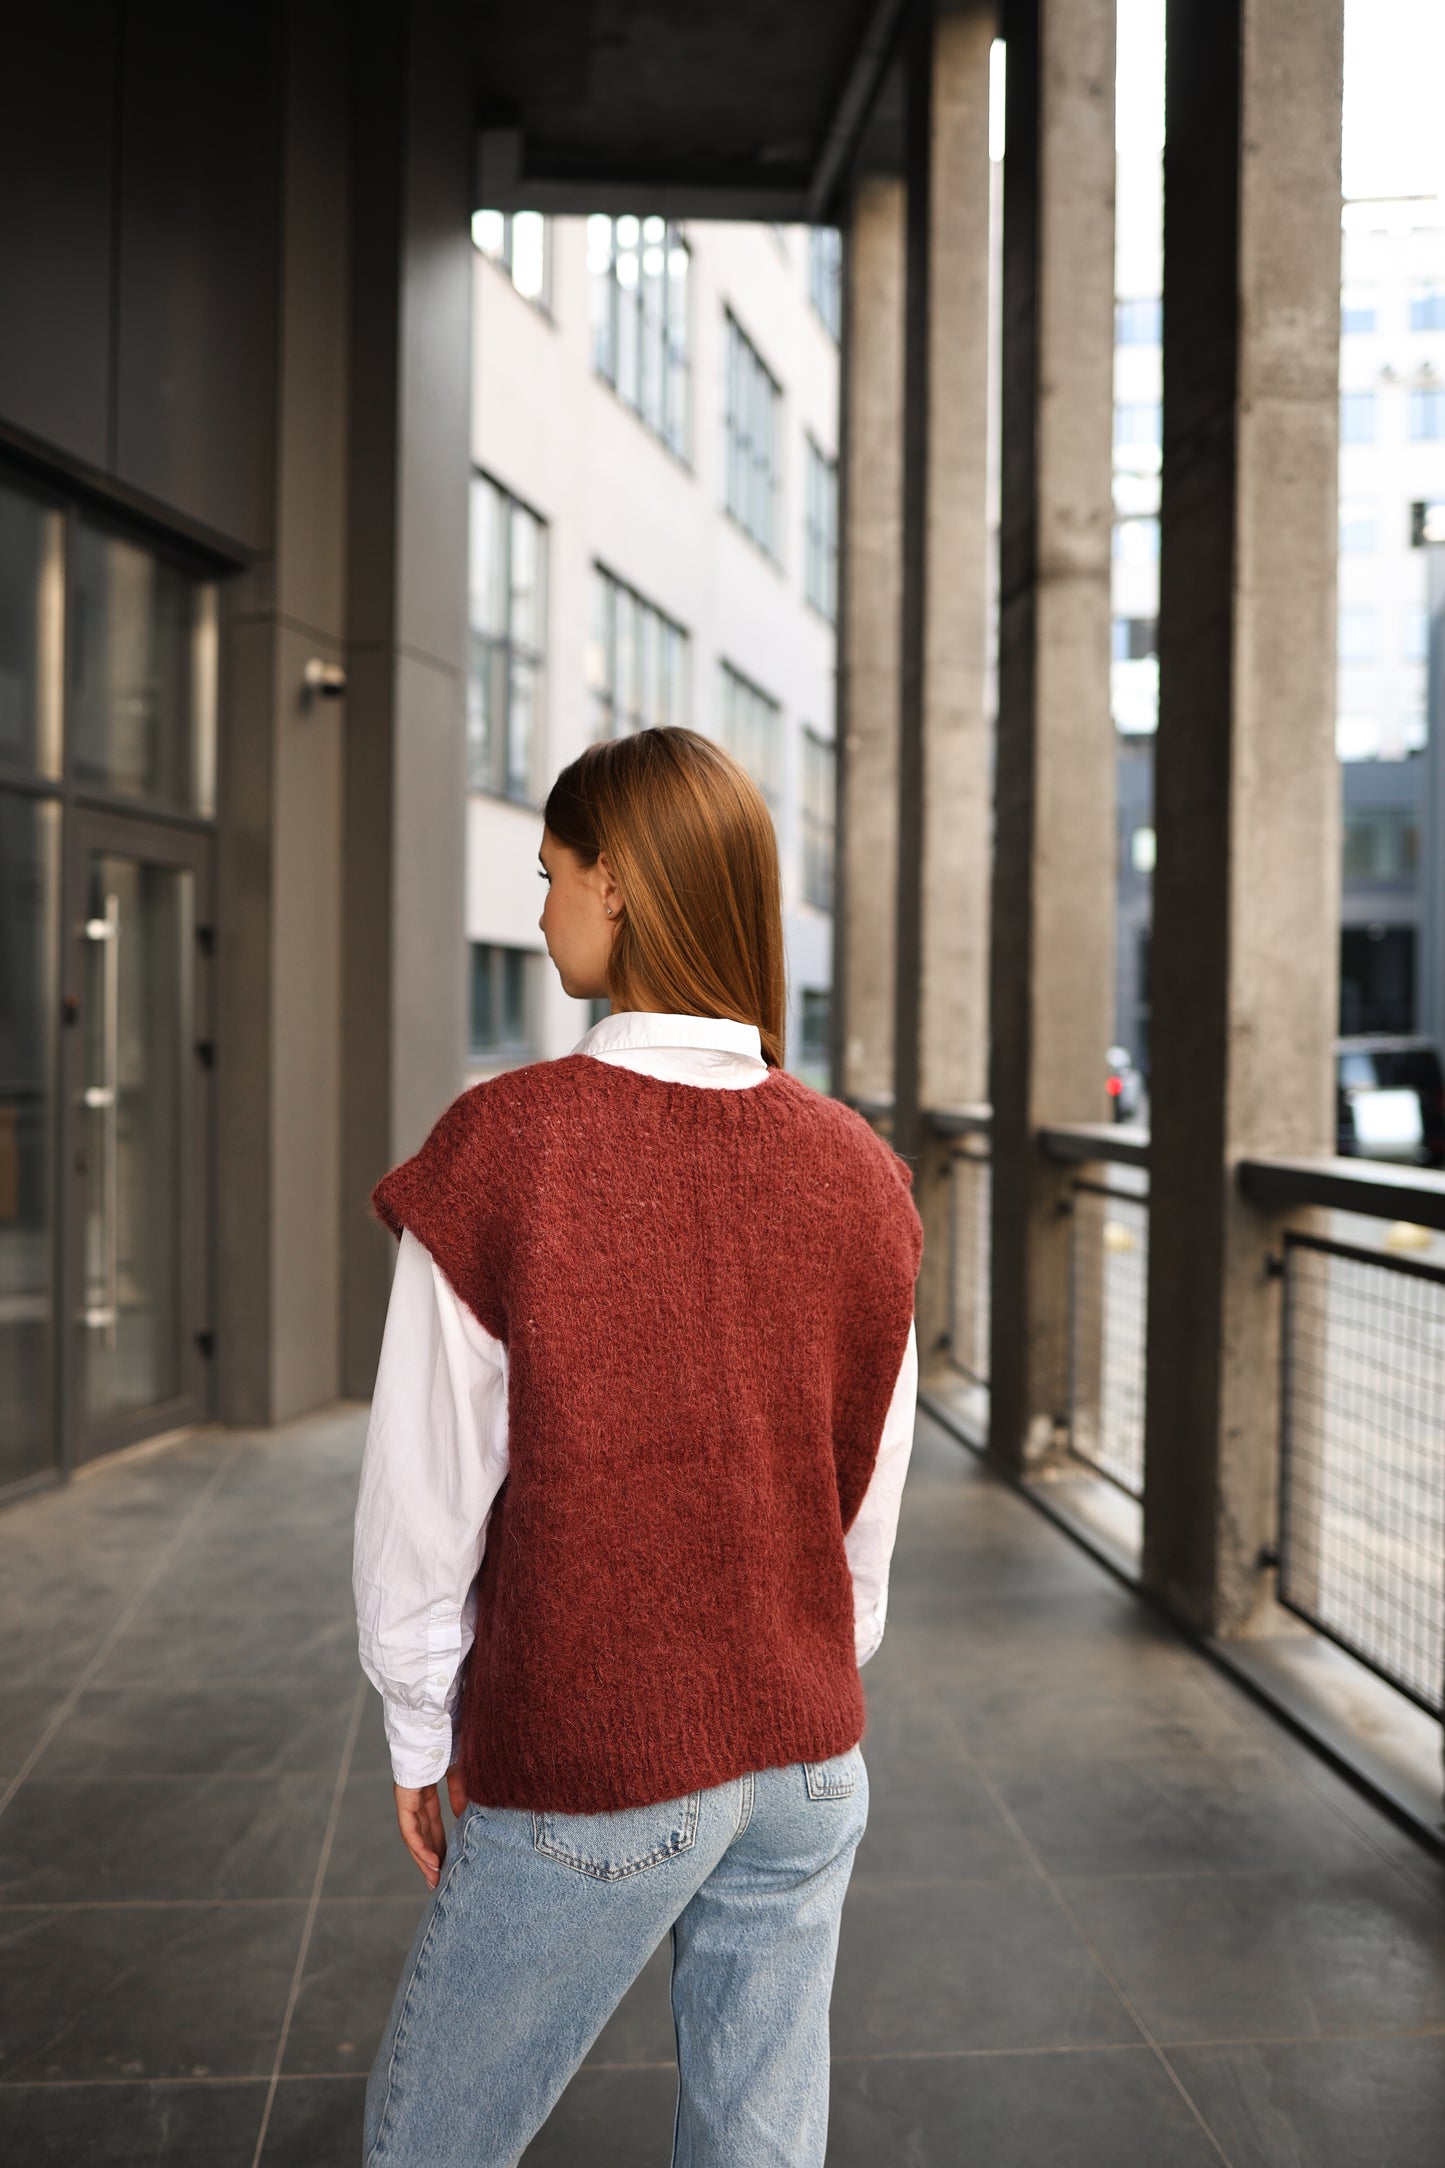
column 138, row 1030
column 31, row 588
column 143, row 660
column 529, row 255
column 625, row 684
column 521, row 724
column 526, row 612
column 29, row 916
column 487, row 559
column 479, row 714
column 483, row 1026
column 514, row 996
column 489, row 233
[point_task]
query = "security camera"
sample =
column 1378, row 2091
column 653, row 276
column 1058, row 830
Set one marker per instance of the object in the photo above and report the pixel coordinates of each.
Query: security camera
column 324, row 680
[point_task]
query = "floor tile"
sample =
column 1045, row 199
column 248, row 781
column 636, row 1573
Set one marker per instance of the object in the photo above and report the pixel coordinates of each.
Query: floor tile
column 609, row 2119
column 24, row 1713
column 1249, row 1956
column 967, row 1965
column 354, row 1962
column 239, row 1728
column 1181, row 1817
column 121, row 2126
column 315, row 2123
column 1098, row 2108
column 107, row 1840
column 206, row 1643
column 1323, row 2104
column 132, row 1991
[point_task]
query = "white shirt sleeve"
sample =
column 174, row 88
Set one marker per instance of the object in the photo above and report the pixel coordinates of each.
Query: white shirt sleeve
column 434, row 1460
column 869, row 1541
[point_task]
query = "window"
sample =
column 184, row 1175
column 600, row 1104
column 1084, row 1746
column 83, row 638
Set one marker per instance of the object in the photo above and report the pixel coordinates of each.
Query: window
column 1427, row 413
column 825, row 275
column 1136, row 541
column 1358, row 314
column 752, row 732
column 820, row 554
column 638, row 661
column 637, row 271
column 500, row 1024
column 753, row 440
column 521, row 242
column 1357, row 633
column 1417, row 634
column 1135, row 638
column 819, row 818
column 1358, row 532
column 1136, row 434
column 817, row 1030
column 1381, row 845
column 1139, row 323
column 1357, row 417
column 1427, row 308
column 508, row 615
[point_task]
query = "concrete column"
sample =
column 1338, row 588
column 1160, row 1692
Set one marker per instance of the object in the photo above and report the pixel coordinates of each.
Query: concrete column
column 1246, row 890
column 1051, row 980
column 404, row 989
column 278, row 1075
column 945, row 753
column 868, row 647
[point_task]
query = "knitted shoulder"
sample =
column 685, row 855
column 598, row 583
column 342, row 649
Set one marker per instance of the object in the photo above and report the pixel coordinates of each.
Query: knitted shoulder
column 849, row 1137
column 462, row 1161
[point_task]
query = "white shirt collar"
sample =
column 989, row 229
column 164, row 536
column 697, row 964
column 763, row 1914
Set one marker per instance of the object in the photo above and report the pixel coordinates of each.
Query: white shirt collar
column 628, row 1028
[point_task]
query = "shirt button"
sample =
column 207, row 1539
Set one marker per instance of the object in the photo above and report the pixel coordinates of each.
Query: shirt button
column 439, row 1679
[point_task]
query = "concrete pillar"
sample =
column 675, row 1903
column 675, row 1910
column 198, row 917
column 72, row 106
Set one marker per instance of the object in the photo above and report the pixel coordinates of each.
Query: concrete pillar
column 278, row 1074
column 1246, row 889
column 1051, row 979
column 945, row 753
column 404, row 990
column 868, row 646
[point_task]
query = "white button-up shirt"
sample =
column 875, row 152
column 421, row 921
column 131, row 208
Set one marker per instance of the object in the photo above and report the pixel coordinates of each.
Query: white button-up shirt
column 436, row 1444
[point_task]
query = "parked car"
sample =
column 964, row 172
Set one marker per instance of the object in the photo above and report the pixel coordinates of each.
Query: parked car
column 1391, row 1100
column 1125, row 1084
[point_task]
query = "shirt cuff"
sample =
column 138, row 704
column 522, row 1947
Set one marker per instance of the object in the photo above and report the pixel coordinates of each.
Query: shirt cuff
column 421, row 1747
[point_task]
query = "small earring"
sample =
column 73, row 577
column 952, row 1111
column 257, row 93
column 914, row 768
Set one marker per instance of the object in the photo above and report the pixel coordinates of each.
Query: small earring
column 609, row 910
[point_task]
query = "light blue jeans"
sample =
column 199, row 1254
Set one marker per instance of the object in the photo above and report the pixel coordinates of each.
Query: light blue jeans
column 541, row 1922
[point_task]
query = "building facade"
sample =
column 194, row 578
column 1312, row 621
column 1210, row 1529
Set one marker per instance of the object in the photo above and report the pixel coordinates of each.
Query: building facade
column 654, row 535
column 1392, row 459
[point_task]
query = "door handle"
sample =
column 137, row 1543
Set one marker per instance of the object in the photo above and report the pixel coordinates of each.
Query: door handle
column 104, row 1098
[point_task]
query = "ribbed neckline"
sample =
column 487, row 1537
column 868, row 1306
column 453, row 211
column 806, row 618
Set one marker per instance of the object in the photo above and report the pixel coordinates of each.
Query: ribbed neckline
column 777, row 1081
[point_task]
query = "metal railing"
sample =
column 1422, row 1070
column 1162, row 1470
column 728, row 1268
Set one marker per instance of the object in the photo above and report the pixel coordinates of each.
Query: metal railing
column 970, row 1207
column 1108, row 1308
column 1361, row 1549
column 1108, row 1287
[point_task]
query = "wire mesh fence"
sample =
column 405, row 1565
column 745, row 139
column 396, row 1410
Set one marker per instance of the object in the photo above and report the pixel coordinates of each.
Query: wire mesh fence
column 969, row 1260
column 1108, row 1307
column 1362, row 1458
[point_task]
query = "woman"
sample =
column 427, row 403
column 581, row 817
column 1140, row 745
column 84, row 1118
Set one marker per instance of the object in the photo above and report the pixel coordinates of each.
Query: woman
column 628, row 1500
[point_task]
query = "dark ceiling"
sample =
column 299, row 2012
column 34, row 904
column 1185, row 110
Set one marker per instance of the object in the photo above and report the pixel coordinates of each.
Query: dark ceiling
column 722, row 108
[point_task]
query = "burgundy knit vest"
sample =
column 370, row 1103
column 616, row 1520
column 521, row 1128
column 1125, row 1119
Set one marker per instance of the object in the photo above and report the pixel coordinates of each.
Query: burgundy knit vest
column 705, row 1295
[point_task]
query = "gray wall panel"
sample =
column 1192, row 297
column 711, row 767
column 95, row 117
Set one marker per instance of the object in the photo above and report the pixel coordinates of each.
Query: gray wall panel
column 196, row 334
column 56, row 158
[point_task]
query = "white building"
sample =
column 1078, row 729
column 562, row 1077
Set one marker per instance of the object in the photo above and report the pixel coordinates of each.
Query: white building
column 654, row 540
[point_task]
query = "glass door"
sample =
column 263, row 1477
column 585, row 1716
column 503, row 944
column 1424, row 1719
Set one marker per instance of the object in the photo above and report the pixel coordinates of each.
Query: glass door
column 137, row 1054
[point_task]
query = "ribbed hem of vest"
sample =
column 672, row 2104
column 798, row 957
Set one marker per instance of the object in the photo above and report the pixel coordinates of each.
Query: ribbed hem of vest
column 601, row 1774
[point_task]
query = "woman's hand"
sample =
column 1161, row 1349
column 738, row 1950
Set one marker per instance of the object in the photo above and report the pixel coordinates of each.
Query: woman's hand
column 419, row 1817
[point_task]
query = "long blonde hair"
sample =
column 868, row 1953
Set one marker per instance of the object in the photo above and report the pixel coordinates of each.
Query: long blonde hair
column 689, row 836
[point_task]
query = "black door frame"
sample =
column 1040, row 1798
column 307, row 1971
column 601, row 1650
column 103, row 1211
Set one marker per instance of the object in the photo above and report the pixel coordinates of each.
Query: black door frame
column 155, row 841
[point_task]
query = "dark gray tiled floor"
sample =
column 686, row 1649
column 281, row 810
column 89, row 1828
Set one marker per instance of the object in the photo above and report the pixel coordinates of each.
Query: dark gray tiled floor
column 1106, row 1913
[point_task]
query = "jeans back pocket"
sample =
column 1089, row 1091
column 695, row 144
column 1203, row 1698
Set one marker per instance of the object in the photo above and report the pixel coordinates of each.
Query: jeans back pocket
column 623, row 1842
column 833, row 1779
